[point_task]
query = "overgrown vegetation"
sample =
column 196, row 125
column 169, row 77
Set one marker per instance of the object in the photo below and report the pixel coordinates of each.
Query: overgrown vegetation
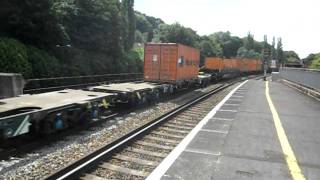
column 14, row 57
column 221, row 44
column 313, row 61
column 68, row 37
column 49, row 38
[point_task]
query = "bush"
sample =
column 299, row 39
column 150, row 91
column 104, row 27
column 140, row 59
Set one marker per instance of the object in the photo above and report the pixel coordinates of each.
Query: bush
column 14, row 57
column 43, row 64
column 316, row 62
column 133, row 62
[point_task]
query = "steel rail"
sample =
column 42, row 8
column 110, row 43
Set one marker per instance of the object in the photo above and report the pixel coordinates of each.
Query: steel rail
column 76, row 168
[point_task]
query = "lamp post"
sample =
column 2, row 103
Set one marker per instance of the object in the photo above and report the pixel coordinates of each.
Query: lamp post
column 265, row 56
column 63, row 46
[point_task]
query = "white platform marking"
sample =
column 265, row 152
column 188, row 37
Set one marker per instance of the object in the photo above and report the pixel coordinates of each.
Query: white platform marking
column 202, row 152
column 227, row 110
column 238, row 100
column 237, row 96
column 222, row 119
column 169, row 160
column 214, row 131
column 226, row 104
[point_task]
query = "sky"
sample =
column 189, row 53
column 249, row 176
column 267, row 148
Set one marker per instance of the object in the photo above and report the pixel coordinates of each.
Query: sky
column 297, row 22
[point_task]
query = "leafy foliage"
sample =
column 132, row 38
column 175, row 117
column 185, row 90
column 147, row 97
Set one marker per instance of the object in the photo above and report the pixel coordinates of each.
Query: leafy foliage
column 245, row 53
column 80, row 36
column 176, row 33
column 28, row 60
column 316, row 62
column 14, row 57
column 312, row 61
column 248, row 42
column 308, row 60
column 31, row 21
column 279, row 51
column 43, row 65
column 229, row 44
column 146, row 25
column 291, row 56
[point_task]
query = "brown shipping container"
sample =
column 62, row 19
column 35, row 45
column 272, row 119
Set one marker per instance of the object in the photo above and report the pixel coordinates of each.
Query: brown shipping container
column 253, row 65
column 213, row 63
column 240, row 65
column 170, row 62
column 152, row 61
column 233, row 64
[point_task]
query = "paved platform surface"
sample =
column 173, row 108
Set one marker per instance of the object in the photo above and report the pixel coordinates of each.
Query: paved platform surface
column 240, row 141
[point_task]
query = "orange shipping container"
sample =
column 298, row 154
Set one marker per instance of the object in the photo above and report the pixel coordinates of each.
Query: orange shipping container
column 213, row 63
column 232, row 65
column 170, row 62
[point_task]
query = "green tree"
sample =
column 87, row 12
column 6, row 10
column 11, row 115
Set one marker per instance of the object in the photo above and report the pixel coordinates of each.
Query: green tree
column 316, row 62
column 209, row 48
column 142, row 24
column 266, row 54
column 176, row 33
column 273, row 48
column 308, row 60
column 147, row 25
column 291, row 56
column 128, row 23
column 248, row 42
column 279, row 52
column 32, row 22
column 229, row 44
column 14, row 57
column 139, row 37
column 245, row 53
column 43, row 64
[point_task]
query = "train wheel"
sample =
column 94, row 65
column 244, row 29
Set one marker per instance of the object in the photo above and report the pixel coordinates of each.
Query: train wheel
column 34, row 129
column 171, row 89
column 47, row 128
column 144, row 98
column 95, row 114
column 156, row 95
column 84, row 117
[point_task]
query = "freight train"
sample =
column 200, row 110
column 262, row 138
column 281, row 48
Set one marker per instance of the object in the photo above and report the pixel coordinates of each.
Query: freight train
column 219, row 67
column 168, row 67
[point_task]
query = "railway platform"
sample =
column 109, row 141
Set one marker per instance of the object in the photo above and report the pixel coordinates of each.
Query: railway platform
column 261, row 130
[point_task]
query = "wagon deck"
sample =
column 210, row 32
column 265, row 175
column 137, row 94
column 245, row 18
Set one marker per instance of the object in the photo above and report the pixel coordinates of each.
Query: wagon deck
column 126, row 87
column 50, row 100
column 48, row 112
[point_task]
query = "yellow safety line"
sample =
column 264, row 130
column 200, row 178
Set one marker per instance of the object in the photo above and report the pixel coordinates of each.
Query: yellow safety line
column 291, row 159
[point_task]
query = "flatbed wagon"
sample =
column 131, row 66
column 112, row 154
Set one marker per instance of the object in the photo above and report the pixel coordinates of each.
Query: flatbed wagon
column 49, row 112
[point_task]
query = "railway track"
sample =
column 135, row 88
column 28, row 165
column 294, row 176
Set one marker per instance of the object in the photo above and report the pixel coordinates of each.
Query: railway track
column 18, row 147
column 136, row 154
